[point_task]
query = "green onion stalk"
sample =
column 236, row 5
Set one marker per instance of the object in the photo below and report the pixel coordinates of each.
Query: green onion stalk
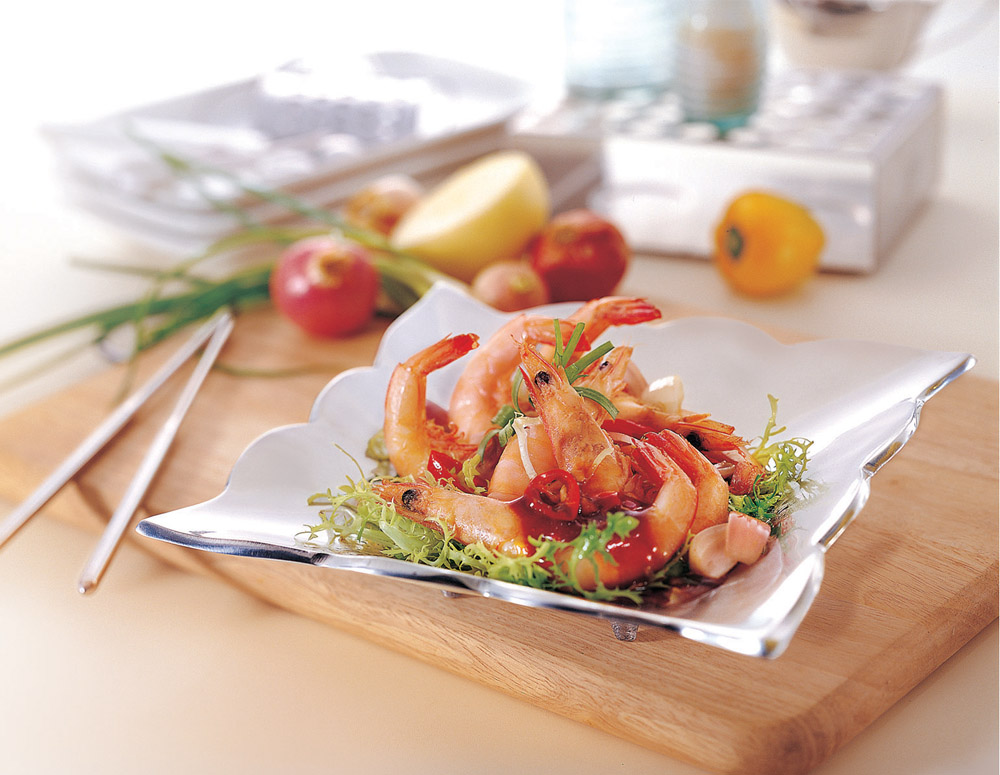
column 179, row 295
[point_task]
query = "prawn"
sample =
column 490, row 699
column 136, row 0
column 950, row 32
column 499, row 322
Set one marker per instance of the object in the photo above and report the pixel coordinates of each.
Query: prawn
column 512, row 472
column 718, row 442
column 598, row 315
column 662, row 530
column 713, row 492
column 507, row 527
column 579, row 444
column 484, row 386
column 472, row 519
column 410, row 435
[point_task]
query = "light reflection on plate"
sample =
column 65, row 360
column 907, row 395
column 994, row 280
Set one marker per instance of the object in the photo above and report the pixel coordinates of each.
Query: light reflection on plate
column 858, row 401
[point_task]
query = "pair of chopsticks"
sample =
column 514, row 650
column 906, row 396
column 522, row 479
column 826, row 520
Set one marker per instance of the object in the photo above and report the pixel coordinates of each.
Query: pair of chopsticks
column 215, row 332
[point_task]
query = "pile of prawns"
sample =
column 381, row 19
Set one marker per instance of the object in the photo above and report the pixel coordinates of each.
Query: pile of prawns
column 570, row 462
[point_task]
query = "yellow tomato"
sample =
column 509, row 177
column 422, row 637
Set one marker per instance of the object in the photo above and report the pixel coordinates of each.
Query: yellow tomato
column 767, row 245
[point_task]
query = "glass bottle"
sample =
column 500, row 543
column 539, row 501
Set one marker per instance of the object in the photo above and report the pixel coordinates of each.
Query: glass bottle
column 618, row 47
column 721, row 60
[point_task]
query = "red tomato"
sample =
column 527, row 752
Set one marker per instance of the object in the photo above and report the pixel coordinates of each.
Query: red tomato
column 325, row 285
column 580, row 256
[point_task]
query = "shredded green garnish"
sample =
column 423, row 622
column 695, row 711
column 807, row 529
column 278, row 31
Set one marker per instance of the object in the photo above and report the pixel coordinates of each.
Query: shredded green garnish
column 784, row 469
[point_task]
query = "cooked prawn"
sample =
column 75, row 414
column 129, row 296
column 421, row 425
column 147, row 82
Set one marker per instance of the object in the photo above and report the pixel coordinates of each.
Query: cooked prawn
column 484, row 385
column 472, row 518
column 713, row 492
column 579, row 444
column 598, row 315
column 718, row 442
column 662, row 530
column 410, row 436
column 512, row 472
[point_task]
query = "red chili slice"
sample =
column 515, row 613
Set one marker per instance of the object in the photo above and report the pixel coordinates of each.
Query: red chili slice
column 443, row 466
column 554, row 494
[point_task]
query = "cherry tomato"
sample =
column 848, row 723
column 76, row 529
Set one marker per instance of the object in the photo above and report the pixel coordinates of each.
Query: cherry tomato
column 326, row 285
column 767, row 245
column 554, row 494
column 580, row 256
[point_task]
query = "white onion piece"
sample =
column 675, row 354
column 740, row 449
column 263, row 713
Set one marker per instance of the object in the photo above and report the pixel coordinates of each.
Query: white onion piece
column 668, row 392
column 521, row 425
column 707, row 554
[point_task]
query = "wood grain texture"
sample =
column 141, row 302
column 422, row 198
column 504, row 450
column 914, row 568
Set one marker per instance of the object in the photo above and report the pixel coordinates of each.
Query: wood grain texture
column 909, row 583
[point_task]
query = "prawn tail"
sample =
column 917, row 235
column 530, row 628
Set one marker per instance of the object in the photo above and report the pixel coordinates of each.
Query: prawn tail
column 444, row 352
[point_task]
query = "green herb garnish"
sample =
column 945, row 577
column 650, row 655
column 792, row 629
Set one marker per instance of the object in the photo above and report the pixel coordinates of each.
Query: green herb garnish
column 784, row 468
column 504, row 419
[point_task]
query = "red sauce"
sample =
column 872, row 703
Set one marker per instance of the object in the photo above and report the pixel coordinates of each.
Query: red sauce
column 637, row 554
column 538, row 526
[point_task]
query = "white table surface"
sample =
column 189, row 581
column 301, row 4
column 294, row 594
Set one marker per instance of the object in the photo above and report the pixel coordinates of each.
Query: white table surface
column 170, row 672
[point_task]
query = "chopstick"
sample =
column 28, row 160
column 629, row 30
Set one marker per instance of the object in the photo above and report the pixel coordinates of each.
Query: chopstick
column 111, row 537
column 106, row 431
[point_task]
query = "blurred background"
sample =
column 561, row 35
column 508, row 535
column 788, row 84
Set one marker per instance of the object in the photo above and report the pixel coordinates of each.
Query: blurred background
column 66, row 65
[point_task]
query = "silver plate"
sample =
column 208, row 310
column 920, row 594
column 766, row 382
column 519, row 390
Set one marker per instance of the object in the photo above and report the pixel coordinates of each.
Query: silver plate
column 858, row 401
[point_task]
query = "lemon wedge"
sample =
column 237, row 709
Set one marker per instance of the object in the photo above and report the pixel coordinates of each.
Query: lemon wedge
column 483, row 212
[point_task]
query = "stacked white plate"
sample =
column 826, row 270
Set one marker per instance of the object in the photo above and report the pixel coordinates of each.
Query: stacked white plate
column 318, row 130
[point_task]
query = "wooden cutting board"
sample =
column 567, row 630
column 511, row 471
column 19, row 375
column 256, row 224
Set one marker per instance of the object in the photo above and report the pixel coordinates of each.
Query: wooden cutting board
column 910, row 582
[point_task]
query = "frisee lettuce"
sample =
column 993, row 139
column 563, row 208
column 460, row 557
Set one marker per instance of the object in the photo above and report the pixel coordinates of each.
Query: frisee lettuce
column 354, row 515
column 784, row 471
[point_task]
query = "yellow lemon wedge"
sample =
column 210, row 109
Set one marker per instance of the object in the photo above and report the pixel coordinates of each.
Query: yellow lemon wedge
column 483, row 212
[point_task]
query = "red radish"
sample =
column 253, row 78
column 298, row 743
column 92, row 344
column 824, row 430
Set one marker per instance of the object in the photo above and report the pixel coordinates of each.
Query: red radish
column 326, row 285
column 510, row 286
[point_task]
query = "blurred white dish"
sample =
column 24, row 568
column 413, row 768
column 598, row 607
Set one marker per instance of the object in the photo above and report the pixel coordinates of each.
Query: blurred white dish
column 317, row 129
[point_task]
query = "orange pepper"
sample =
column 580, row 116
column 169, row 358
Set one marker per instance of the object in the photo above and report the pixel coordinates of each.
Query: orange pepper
column 766, row 245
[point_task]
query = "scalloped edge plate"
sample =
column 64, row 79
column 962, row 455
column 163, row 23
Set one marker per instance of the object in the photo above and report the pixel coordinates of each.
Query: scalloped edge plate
column 859, row 402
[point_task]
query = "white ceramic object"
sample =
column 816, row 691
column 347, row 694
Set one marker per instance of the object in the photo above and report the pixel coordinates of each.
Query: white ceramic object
column 850, row 34
column 318, row 128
